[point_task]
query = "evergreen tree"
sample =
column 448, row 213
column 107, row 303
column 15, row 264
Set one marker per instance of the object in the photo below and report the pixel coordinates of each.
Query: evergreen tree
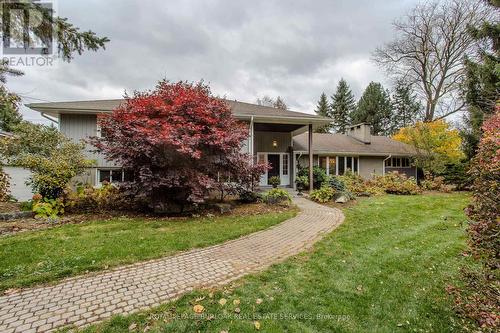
column 374, row 107
column 323, row 109
column 482, row 82
column 406, row 108
column 343, row 105
column 9, row 110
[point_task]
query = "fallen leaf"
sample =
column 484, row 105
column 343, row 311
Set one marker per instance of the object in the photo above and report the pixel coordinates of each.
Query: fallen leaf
column 198, row 308
column 258, row 300
column 236, row 302
column 237, row 310
column 359, row 288
column 222, row 301
column 132, row 327
column 257, row 325
column 199, row 299
column 223, row 332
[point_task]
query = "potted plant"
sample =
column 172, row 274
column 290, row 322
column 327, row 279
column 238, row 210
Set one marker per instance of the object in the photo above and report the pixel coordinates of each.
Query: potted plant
column 302, row 183
column 274, row 181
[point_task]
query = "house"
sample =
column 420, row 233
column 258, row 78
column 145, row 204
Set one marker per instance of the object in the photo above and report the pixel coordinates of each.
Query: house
column 279, row 137
column 270, row 139
column 357, row 151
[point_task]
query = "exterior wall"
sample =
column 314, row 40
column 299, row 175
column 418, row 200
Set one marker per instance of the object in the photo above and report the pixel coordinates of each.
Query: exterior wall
column 263, row 142
column 80, row 127
column 409, row 172
column 369, row 165
column 18, row 177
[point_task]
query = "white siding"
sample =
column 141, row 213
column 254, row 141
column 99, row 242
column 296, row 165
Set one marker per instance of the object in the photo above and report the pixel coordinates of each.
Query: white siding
column 18, row 187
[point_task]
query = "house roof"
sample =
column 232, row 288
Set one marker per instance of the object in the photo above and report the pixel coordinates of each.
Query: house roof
column 334, row 143
column 240, row 110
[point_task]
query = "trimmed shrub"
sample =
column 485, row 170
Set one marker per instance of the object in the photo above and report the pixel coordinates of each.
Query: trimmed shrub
column 276, row 196
column 302, row 182
column 322, row 195
column 435, row 184
column 319, row 176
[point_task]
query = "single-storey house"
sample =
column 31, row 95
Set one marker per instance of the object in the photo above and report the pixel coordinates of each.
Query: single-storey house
column 282, row 138
column 357, row 151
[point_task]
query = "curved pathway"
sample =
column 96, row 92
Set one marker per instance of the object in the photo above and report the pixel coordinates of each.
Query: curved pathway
column 84, row 300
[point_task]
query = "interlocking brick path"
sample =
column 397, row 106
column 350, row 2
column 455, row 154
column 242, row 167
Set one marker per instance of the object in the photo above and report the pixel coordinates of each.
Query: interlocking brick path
column 84, row 300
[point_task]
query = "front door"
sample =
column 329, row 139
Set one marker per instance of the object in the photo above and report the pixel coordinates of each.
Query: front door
column 274, row 162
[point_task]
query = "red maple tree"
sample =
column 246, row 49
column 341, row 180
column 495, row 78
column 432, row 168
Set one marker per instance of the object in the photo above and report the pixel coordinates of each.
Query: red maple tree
column 179, row 142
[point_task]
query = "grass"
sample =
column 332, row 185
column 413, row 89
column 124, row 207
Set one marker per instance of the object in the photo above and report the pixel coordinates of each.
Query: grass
column 30, row 258
column 384, row 269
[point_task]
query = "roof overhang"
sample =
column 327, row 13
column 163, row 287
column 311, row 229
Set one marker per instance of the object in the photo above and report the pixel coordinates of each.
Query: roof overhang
column 378, row 154
column 315, row 121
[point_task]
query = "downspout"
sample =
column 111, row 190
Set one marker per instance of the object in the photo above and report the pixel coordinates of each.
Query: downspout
column 383, row 164
column 251, row 140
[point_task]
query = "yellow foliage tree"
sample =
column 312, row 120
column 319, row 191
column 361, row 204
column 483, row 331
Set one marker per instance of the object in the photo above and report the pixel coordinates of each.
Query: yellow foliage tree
column 436, row 144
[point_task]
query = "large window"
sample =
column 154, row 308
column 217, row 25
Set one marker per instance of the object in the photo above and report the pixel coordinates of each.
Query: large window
column 322, row 162
column 398, row 162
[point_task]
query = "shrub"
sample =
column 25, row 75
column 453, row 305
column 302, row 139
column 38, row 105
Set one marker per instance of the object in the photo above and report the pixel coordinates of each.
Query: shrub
column 247, row 196
column 276, row 196
column 108, row 197
column 396, row 183
column 274, row 181
column 52, row 158
column 48, row 208
column 457, row 174
column 4, row 186
column 184, row 140
column 437, row 183
column 355, row 184
column 319, row 176
column 322, row 195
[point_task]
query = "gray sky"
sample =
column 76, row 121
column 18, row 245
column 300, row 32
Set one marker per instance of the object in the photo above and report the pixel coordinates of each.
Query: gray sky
column 243, row 49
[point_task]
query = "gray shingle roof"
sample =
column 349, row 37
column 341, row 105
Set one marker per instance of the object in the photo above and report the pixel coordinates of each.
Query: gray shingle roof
column 240, row 109
column 340, row 143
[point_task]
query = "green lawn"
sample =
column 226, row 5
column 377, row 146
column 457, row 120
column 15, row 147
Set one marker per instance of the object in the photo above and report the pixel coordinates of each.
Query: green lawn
column 384, row 270
column 43, row 256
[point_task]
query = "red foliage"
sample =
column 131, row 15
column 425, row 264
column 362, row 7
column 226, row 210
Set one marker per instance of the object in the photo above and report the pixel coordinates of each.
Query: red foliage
column 478, row 299
column 177, row 140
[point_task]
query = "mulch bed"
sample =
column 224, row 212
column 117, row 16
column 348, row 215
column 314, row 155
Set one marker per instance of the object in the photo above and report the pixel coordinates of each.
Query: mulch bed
column 28, row 224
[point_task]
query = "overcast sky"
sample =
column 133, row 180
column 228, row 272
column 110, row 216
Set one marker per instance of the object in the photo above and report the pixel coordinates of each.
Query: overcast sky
column 243, row 49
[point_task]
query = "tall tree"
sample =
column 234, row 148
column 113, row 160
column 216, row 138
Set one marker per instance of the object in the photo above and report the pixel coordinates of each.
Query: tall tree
column 323, row 109
column 278, row 103
column 374, row 107
column 68, row 39
column 406, row 108
column 429, row 50
column 482, row 84
column 343, row 105
column 9, row 110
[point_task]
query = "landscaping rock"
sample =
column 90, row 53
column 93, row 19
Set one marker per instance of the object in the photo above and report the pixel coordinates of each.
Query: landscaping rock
column 15, row 215
column 223, row 208
column 342, row 199
column 364, row 194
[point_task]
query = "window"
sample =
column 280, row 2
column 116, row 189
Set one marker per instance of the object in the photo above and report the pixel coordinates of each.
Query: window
column 398, row 162
column 348, row 163
column 110, row 175
column 322, row 162
column 341, row 165
column 285, row 165
column 332, row 162
column 355, row 164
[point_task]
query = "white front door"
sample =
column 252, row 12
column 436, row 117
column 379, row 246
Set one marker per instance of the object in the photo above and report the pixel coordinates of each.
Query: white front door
column 281, row 167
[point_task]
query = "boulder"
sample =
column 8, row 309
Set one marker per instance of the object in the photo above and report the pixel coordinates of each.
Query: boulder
column 342, row 199
column 223, row 208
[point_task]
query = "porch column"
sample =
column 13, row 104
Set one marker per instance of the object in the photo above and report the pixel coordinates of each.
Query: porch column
column 310, row 157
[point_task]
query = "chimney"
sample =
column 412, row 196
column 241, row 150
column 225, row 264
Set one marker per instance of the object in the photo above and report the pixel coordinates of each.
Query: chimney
column 361, row 132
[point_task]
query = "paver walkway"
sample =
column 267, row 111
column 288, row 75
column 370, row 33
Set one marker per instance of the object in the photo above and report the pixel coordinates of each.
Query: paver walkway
column 80, row 301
